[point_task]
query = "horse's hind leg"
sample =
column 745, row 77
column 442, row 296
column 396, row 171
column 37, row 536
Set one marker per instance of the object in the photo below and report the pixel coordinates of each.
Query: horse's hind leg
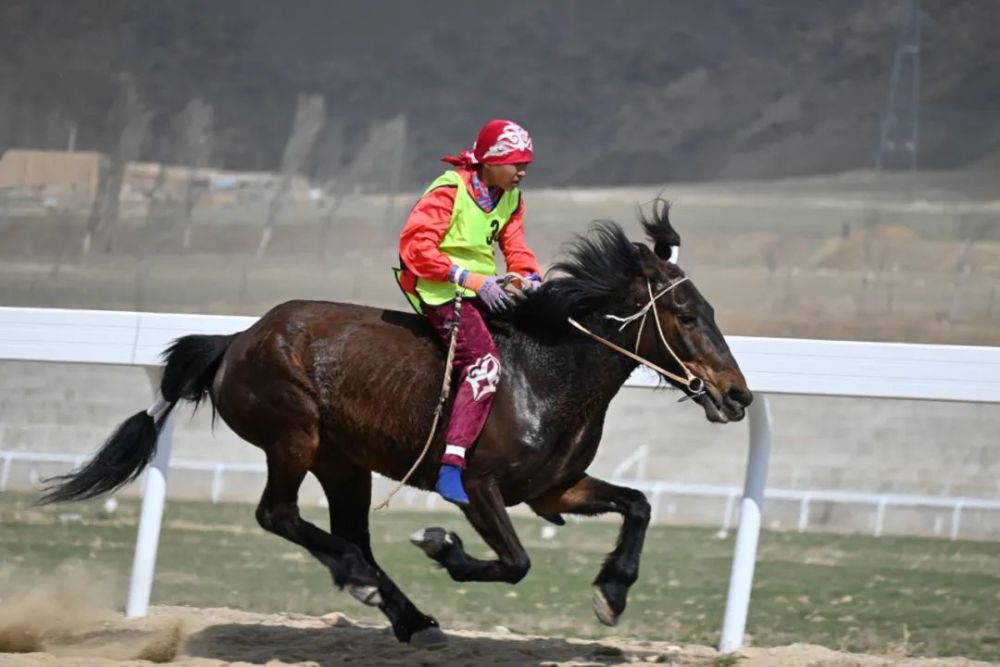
column 488, row 515
column 591, row 496
column 278, row 513
column 348, row 491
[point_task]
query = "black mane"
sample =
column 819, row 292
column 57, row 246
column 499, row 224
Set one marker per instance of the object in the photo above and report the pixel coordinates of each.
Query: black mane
column 597, row 267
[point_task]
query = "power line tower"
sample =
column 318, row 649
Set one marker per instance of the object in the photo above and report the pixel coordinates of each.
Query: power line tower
column 900, row 128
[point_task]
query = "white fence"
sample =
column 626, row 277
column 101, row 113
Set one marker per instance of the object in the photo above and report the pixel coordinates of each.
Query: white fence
column 771, row 365
column 657, row 490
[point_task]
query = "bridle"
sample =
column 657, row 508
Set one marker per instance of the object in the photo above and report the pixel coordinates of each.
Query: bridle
column 693, row 384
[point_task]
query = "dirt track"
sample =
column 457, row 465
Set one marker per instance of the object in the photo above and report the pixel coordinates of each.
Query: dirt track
column 208, row 637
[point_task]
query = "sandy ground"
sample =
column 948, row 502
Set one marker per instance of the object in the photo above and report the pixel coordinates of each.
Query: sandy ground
column 195, row 637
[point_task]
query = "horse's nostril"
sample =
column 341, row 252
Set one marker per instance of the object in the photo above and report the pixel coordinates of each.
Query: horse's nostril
column 739, row 395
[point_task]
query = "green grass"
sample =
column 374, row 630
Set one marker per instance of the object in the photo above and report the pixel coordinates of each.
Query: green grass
column 881, row 595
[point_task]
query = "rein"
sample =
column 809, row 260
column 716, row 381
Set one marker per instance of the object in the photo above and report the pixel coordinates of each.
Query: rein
column 692, row 383
column 442, row 400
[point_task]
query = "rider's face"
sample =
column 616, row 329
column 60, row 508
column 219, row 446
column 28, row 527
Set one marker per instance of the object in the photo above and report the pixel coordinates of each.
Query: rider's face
column 505, row 176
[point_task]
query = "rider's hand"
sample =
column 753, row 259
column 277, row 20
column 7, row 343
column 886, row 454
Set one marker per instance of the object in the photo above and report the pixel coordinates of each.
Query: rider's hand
column 486, row 288
column 530, row 283
column 494, row 296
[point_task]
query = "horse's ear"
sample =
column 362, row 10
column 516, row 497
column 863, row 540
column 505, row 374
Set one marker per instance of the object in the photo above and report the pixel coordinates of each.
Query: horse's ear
column 659, row 230
column 650, row 265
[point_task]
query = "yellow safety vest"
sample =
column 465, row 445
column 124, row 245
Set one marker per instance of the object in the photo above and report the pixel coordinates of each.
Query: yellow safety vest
column 468, row 243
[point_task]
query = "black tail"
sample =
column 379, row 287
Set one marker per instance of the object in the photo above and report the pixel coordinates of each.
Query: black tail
column 191, row 364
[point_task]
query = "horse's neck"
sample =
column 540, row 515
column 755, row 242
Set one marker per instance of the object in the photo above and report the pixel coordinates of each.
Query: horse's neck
column 603, row 369
column 577, row 369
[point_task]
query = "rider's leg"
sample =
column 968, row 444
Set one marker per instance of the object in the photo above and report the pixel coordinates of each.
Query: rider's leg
column 477, row 367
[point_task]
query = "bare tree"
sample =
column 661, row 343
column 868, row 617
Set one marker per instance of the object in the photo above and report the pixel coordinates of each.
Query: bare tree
column 972, row 229
column 870, row 223
column 196, row 152
column 395, row 137
column 128, row 120
column 154, row 199
column 334, row 178
column 7, row 110
column 310, row 116
column 379, row 161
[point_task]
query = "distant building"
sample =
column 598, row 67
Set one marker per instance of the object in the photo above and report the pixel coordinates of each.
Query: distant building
column 51, row 173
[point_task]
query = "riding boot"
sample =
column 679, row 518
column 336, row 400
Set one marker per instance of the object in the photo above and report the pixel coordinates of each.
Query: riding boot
column 449, row 485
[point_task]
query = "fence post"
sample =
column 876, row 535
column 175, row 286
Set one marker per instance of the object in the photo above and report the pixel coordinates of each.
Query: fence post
column 804, row 512
column 151, row 516
column 5, row 474
column 745, row 550
column 956, row 519
column 654, row 505
column 636, row 459
column 880, row 516
column 217, row 483
column 727, row 513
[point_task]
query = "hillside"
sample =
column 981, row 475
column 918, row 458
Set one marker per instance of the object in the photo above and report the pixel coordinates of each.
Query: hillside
column 613, row 92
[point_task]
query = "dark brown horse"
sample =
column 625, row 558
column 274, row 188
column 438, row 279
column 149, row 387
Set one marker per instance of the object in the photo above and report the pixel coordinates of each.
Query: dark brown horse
column 341, row 390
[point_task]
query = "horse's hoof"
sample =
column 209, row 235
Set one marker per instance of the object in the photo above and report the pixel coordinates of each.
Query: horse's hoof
column 602, row 609
column 365, row 594
column 431, row 540
column 429, row 638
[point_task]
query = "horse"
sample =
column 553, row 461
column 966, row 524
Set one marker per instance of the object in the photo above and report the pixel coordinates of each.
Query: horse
column 341, row 390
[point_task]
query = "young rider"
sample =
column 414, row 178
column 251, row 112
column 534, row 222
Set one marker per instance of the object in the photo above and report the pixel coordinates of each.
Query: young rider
column 446, row 247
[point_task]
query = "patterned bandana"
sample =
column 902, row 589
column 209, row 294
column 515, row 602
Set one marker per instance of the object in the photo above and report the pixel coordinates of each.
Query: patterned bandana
column 499, row 142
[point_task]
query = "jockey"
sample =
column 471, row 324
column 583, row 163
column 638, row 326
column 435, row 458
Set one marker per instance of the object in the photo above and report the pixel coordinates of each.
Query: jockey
column 446, row 247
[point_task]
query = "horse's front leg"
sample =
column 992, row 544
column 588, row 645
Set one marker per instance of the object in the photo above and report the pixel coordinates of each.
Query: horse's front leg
column 591, row 496
column 488, row 515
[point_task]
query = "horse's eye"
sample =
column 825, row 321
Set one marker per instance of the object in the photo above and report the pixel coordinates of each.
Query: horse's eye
column 686, row 319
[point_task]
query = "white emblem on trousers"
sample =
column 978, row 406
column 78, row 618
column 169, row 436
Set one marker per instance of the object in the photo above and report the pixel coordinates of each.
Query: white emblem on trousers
column 483, row 376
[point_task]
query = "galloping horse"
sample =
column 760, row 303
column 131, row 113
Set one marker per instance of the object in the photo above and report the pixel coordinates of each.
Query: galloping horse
column 341, row 390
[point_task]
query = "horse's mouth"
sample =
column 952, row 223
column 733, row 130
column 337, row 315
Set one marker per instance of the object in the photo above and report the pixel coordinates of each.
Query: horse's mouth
column 720, row 409
column 713, row 410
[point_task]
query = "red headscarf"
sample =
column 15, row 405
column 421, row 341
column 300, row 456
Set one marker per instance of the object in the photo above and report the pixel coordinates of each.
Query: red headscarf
column 499, row 142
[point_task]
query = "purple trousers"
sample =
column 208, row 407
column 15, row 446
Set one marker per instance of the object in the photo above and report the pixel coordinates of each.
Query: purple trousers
column 477, row 372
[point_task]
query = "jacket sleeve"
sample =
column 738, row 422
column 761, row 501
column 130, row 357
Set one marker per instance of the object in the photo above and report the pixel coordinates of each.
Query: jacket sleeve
column 515, row 250
column 422, row 234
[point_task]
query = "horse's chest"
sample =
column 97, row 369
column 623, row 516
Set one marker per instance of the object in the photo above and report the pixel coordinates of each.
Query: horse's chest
column 563, row 458
column 549, row 437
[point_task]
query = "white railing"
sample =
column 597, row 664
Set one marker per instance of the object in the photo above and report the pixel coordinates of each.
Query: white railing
column 771, row 365
column 218, row 469
column 656, row 489
column 879, row 501
column 637, row 460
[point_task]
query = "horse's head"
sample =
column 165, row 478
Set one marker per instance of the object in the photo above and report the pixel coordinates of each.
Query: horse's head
column 639, row 300
column 682, row 337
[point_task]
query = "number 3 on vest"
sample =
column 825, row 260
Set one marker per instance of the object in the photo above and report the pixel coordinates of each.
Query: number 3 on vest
column 495, row 226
